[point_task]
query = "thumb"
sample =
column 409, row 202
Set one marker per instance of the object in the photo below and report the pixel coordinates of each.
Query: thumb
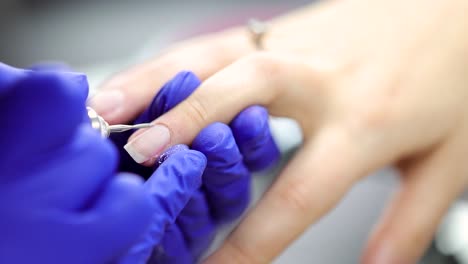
column 259, row 79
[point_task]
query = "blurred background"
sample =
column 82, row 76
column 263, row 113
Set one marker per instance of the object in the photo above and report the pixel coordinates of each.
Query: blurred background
column 101, row 38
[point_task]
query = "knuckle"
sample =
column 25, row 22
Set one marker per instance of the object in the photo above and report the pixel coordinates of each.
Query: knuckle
column 376, row 103
column 373, row 116
column 376, row 117
column 239, row 253
column 270, row 68
column 197, row 110
column 263, row 62
column 294, row 195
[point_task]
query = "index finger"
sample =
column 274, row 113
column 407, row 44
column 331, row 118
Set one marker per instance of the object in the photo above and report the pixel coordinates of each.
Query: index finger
column 127, row 94
column 261, row 79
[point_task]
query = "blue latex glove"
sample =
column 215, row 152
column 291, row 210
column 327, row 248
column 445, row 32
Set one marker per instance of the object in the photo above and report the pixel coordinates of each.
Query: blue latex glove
column 60, row 198
column 226, row 181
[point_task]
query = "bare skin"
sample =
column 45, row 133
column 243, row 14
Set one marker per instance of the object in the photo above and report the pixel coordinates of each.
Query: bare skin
column 371, row 82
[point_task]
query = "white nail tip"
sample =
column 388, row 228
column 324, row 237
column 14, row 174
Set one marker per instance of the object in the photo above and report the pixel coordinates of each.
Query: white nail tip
column 138, row 157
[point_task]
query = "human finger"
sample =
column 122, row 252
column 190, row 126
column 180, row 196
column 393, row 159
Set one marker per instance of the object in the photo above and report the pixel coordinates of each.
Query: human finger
column 172, row 93
column 127, row 94
column 196, row 224
column 317, row 178
column 429, row 186
column 260, row 79
column 170, row 188
column 226, row 180
column 253, row 136
column 173, row 248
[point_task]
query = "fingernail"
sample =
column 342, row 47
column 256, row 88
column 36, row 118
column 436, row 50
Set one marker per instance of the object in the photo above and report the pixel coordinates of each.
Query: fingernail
column 149, row 144
column 107, row 103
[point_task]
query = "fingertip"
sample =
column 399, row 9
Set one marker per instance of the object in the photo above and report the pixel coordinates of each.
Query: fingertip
column 174, row 182
column 194, row 163
column 68, row 89
column 109, row 104
column 255, row 118
column 215, row 138
column 144, row 146
column 54, row 98
column 136, row 155
column 83, row 84
column 258, row 158
column 252, row 133
column 185, row 157
column 197, row 160
column 130, row 180
column 171, row 151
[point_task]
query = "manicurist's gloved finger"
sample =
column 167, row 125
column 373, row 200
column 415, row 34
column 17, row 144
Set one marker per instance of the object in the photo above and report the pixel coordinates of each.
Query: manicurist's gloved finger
column 127, row 94
column 50, row 66
column 54, row 96
column 60, row 199
column 252, row 133
column 66, row 71
column 170, row 187
column 226, row 181
column 125, row 203
column 8, row 76
column 197, row 225
column 194, row 223
column 173, row 248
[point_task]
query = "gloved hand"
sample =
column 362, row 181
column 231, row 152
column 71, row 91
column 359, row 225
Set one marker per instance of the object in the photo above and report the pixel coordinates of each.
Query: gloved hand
column 224, row 194
column 60, row 200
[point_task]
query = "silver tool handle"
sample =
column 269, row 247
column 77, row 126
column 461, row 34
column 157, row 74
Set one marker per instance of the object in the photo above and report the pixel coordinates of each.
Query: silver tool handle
column 98, row 123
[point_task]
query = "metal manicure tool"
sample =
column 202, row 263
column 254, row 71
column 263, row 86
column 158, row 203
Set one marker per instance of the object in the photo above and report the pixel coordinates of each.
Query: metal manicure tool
column 98, row 123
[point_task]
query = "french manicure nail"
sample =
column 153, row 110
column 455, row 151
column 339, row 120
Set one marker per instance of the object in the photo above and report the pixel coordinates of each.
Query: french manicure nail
column 149, row 144
column 107, row 103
